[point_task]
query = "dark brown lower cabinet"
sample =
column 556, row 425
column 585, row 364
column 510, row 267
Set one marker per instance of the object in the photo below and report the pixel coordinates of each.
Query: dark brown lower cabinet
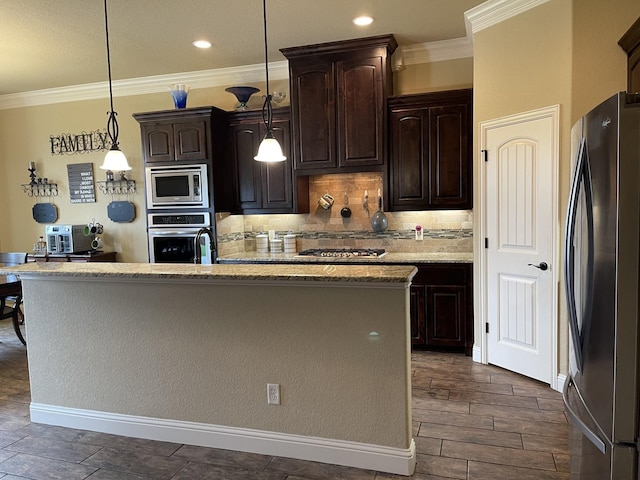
column 441, row 304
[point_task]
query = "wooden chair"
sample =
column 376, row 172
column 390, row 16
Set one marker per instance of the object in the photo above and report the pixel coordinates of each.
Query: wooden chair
column 11, row 294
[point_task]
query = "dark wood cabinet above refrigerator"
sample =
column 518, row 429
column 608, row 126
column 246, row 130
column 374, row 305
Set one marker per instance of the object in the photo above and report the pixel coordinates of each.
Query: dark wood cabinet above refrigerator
column 630, row 43
column 339, row 92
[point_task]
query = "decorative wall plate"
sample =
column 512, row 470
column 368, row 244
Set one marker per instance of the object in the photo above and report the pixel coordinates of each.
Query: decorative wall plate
column 121, row 211
column 45, row 212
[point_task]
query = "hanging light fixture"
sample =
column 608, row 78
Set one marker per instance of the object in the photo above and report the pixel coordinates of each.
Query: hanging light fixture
column 269, row 150
column 115, row 160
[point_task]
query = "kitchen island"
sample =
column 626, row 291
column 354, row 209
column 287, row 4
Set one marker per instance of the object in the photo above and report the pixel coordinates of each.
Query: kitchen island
column 184, row 353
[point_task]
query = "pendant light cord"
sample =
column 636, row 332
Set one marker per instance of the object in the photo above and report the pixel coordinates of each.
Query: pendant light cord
column 267, row 100
column 112, row 123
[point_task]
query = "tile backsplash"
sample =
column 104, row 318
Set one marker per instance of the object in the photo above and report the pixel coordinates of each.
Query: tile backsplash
column 444, row 231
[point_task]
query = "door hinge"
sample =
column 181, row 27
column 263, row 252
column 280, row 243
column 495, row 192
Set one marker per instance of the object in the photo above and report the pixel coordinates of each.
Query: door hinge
column 486, row 155
column 486, row 242
column 487, row 327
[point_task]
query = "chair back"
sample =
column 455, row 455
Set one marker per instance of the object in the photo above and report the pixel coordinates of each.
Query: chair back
column 10, row 259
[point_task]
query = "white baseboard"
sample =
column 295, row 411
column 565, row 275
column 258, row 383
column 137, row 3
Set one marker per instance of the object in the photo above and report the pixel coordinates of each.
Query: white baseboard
column 560, row 384
column 337, row 452
column 476, row 354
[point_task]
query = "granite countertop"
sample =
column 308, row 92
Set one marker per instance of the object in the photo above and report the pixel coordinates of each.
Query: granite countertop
column 388, row 258
column 233, row 272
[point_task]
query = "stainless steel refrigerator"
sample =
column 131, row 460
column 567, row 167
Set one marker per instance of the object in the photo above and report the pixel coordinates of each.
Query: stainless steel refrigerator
column 602, row 259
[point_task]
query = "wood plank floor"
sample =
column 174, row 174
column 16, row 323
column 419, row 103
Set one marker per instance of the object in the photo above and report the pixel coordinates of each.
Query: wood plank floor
column 471, row 421
column 479, row 422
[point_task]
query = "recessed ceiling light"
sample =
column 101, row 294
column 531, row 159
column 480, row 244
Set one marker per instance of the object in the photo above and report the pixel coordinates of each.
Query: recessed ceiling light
column 202, row 44
column 364, row 20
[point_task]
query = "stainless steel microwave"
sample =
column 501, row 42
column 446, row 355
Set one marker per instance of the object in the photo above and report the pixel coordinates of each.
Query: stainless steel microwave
column 177, row 186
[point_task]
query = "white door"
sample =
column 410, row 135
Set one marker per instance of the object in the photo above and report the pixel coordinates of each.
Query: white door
column 520, row 268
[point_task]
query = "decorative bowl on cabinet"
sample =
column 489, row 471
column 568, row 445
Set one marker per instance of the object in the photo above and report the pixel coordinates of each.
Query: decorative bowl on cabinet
column 243, row 94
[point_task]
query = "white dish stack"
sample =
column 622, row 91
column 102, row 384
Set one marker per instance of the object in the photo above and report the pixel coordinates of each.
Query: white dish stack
column 262, row 243
column 290, row 243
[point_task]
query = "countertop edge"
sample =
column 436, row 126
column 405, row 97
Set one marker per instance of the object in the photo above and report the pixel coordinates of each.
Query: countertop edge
column 230, row 274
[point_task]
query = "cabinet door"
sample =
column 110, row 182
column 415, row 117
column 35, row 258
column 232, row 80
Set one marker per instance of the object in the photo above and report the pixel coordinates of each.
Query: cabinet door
column 409, row 158
column 157, row 142
column 416, row 307
column 313, row 116
column 449, row 163
column 190, row 140
column 245, row 139
column 277, row 183
column 445, row 316
column 360, row 112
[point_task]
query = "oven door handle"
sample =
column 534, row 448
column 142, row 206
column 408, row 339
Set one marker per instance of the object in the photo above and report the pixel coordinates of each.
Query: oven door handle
column 165, row 232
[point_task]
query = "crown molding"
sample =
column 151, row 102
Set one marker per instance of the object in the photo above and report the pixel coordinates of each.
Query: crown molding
column 437, row 51
column 143, row 85
column 493, row 12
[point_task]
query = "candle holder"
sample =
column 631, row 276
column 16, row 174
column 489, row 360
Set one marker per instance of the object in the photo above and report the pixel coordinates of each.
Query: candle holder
column 39, row 187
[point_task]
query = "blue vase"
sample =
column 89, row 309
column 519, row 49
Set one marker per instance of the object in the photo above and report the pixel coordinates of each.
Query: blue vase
column 179, row 92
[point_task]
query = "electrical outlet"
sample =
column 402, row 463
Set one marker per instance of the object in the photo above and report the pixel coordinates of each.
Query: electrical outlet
column 273, row 393
column 419, row 232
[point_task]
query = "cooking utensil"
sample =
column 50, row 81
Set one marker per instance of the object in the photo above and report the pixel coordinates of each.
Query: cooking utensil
column 326, row 201
column 345, row 212
column 379, row 221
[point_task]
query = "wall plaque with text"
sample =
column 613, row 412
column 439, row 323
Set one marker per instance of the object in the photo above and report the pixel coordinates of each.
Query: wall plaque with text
column 81, row 186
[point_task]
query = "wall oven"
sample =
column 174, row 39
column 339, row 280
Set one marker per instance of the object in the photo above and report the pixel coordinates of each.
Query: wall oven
column 172, row 236
column 177, row 186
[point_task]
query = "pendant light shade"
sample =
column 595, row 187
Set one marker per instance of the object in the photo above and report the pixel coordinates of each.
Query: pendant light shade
column 269, row 150
column 114, row 160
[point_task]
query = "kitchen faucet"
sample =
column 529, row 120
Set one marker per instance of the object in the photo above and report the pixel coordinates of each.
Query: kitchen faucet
column 197, row 252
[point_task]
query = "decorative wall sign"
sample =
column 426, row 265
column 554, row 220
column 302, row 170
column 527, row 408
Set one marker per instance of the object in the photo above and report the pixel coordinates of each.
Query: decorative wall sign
column 85, row 142
column 81, row 187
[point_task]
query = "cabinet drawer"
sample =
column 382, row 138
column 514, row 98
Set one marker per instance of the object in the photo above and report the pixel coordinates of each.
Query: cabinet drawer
column 443, row 274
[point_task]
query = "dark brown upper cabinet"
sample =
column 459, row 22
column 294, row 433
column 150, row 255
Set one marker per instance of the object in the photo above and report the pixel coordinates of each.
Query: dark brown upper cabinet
column 630, row 43
column 262, row 187
column 430, row 161
column 179, row 141
column 338, row 104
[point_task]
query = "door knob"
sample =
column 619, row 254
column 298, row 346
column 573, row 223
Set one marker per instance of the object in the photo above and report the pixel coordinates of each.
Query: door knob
column 542, row 266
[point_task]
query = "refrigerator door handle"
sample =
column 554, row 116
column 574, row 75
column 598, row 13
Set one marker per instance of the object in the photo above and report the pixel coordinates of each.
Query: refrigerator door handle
column 575, row 418
column 569, row 260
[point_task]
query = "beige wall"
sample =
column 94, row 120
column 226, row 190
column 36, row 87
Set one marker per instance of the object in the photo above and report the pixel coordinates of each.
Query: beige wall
column 522, row 64
column 599, row 64
column 562, row 53
column 436, row 76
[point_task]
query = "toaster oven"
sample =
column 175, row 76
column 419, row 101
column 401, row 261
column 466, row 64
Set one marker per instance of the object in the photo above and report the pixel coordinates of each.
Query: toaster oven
column 67, row 239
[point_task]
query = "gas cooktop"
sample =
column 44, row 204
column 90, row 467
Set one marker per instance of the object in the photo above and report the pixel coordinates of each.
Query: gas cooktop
column 343, row 252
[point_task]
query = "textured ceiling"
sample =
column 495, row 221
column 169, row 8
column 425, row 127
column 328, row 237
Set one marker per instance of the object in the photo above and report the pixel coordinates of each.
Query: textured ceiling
column 48, row 44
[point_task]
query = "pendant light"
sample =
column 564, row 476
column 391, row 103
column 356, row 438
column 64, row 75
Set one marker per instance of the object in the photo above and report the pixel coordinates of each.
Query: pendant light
column 114, row 160
column 269, row 150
